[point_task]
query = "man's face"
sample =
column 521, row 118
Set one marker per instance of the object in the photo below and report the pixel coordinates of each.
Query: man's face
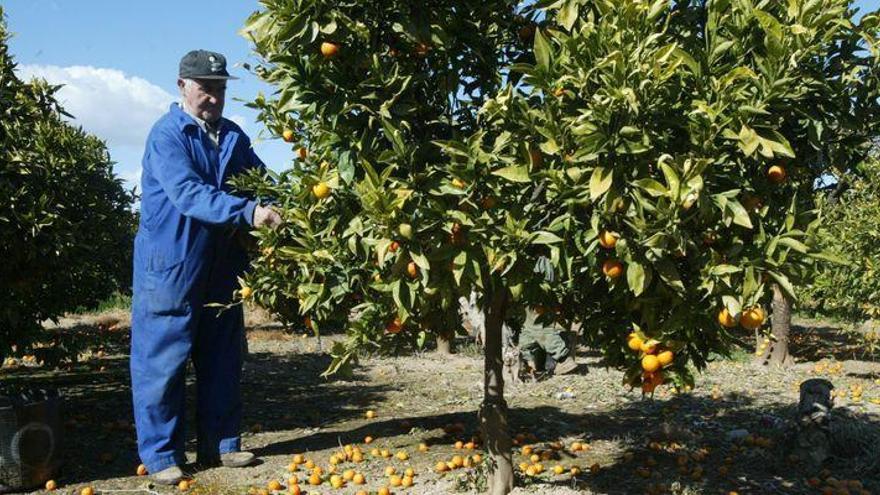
column 204, row 97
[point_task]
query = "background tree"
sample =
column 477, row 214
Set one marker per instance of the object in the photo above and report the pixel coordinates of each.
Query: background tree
column 65, row 219
column 633, row 172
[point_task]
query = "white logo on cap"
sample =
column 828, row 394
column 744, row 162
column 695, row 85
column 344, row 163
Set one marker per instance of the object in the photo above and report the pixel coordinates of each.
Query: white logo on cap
column 215, row 65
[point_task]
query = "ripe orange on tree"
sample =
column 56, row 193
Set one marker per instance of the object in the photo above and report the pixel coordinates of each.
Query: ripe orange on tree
column 726, row 319
column 329, row 49
column 752, row 318
column 776, row 174
column 288, row 135
column 665, row 357
column 395, row 326
column 612, row 268
column 321, row 190
column 608, row 239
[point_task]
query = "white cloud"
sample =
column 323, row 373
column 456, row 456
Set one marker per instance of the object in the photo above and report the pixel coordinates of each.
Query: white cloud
column 115, row 107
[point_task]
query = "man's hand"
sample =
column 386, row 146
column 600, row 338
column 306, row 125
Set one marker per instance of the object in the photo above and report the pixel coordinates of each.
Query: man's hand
column 266, row 216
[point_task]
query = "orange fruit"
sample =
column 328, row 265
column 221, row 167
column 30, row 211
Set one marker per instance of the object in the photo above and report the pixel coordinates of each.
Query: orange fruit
column 288, row 136
column 726, row 319
column 336, row 481
column 310, row 464
column 607, row 239
column 441, row 467
column 407, row 481
column 557, row 469
column 402, row 455
column 314, row 479
column 274, row 485
column 51, row 485
column 634, row 342
column 650, row 363
column 302, row 153
column 776, row 174
column 87, row 491
column 395, row 480
column 295, row 490
column 752, row 318
column 321, row 190
column 422, row 49
column 368, row 439
column 412, row 269
column 246, row 292
column 389, row 471
column 358, row 479
column 423, row 447
column 612, row 268
column 299, row 459
column 477, row 458
column 394, row 327
column 183, row 485
column 409, row 472
column 372, row 414
column 329, row 49
column 457, row 461
column 648, row 347
column 141, row 470
column 393, row 247
column 559, row 92
column 665, row 357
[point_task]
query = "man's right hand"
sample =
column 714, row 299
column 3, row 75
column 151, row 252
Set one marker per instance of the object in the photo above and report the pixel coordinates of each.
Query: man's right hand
column 266, row 216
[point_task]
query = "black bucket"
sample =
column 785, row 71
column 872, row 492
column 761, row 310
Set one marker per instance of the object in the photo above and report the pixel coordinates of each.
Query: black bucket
column 30, row 438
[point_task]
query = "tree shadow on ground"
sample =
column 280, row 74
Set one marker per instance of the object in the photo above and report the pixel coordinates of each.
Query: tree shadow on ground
column 99, row 440
column 814, row 343
column 641, row 444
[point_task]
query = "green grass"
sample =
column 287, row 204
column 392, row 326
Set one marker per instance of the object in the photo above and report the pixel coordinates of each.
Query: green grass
column 116, row 301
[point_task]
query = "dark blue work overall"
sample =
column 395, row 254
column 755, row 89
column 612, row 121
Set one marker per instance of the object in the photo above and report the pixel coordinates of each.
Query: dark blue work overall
column 185, row 257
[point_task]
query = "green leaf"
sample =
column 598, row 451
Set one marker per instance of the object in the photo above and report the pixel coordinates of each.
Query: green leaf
column 784, row 284
column 652, row 187
column 794, row 244
column 542, row 237
column 514, row 174
column 568, row 14
column 669, row 274
column 600, row 182
column 636, row 277
column 739, row 213
column 542, row 51
column 724, row 270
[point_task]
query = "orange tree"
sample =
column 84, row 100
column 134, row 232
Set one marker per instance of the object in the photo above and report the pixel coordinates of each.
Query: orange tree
column 641, row 169
column 66, row 227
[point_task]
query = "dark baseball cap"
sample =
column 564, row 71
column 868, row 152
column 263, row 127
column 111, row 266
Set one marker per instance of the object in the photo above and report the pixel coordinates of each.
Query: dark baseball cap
column 203, row 64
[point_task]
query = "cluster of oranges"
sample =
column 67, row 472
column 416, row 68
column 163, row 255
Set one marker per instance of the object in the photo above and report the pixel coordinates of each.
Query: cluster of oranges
column 611, row 268
column 751, row 318
column 654, row 359
column 534, row 459
column 830, row 485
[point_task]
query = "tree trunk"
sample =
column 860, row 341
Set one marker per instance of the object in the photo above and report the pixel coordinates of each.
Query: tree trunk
column 493, row 412
column 445, row 342
column 776, row 351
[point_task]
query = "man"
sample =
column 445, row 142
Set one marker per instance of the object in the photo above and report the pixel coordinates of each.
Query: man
column 544, row 345
column 184, row 258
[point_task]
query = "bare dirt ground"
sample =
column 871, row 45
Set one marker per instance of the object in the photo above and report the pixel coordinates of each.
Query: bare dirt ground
column 673, row 443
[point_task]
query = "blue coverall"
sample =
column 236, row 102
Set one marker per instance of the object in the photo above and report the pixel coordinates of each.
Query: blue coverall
column 185, row 257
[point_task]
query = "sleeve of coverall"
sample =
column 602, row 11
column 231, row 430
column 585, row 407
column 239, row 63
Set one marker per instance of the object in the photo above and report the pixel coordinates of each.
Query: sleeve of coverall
column 188, row 191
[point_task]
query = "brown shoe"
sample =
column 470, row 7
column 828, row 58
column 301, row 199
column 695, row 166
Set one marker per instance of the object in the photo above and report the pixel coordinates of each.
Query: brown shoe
column 237, row 459
column 565, row 366
column 168, row 476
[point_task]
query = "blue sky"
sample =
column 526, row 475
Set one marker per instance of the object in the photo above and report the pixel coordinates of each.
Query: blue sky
column 118, row 60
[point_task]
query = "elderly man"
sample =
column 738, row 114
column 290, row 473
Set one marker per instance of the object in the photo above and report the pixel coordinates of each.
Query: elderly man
column 184, row 257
